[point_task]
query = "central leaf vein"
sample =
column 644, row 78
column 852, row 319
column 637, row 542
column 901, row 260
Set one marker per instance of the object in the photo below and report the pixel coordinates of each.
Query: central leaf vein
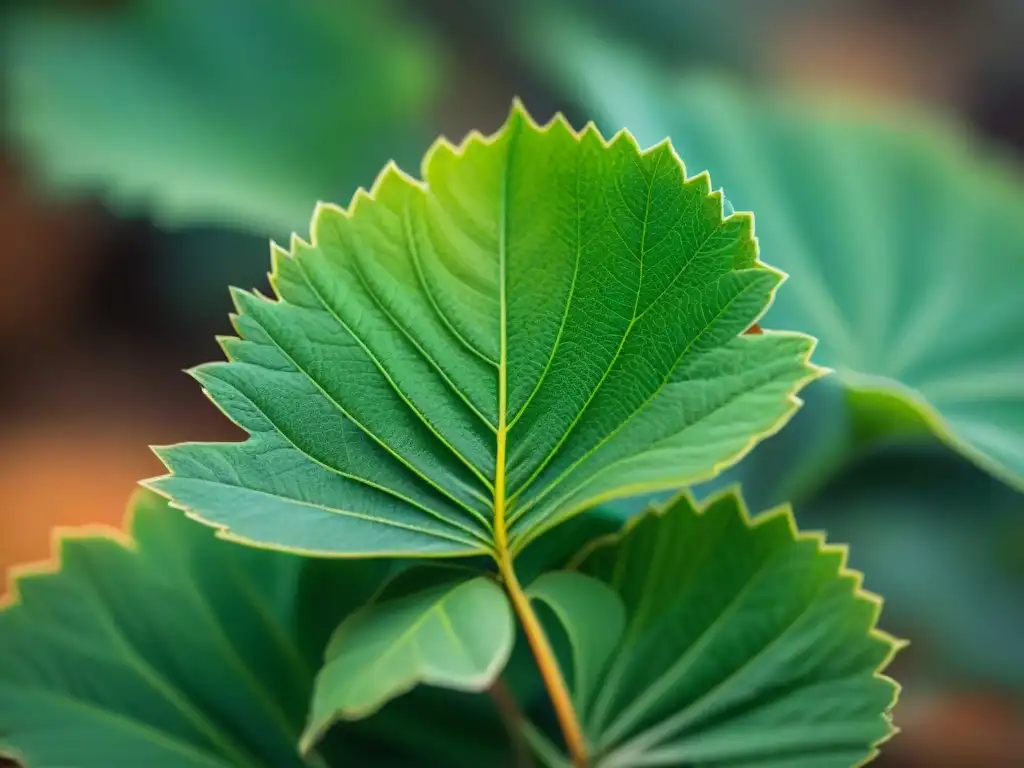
column 622, row 343
column 500, row 522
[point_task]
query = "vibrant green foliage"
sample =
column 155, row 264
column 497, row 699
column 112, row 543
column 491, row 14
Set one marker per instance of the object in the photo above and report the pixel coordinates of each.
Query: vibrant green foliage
column 460, row 367
column 228, row 112
column 456, row 633
column 548, row 321
column 906, row 245
column 746, row 642
column 178, row 649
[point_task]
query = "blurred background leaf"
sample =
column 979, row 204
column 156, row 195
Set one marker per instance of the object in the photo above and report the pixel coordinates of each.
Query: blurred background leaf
column 908, row 277
column 237, row 112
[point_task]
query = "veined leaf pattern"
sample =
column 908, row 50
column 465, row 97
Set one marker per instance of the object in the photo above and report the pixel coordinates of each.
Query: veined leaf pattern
column 746, row 643
column 451, row 366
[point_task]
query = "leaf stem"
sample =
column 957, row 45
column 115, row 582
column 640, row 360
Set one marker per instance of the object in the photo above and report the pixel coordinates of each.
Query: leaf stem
column 547, row 664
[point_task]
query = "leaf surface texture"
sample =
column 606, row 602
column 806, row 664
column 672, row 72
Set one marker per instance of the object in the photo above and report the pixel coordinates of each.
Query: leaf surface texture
column 548, row 320
column 746, row 644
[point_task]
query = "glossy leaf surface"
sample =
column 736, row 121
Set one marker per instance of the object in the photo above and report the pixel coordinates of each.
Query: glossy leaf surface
column 181, row 650
column 746, row 643
column 547, row 321
column 456, row 634
column 904, row 242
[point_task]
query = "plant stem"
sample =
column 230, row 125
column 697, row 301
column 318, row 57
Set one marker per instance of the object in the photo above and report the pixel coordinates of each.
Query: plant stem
column 547, row 664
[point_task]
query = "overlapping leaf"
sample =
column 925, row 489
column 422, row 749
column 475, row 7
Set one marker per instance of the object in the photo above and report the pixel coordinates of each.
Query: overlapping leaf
column 453, row 630
column 906, row 246
column 181, row 650
column 452, row 366
column 231, row 112
column 594, row 618
column 746, row 643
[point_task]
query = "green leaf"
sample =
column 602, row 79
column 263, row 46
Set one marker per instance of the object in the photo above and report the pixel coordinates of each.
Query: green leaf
column 457, row 634
column 746, row 643
column 930, row 530
column 177, row 649
column 233, row 112
column 905, row 244
column 593, row 616
column 790, row 466
column 452, row 367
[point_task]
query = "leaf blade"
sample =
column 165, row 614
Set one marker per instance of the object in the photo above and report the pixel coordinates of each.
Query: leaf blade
column 548, row 320
column 456, row 635
column 174, row 648
column 172, row 680
column 734, row 626
column 191, row 89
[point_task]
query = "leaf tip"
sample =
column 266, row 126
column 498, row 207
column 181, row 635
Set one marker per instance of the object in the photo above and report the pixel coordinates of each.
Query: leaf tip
column 624, row 135
column 240, row 299
column 156, row 484
column 225, row 342
column 323, row 209
column 518, row 109
column 297, row 243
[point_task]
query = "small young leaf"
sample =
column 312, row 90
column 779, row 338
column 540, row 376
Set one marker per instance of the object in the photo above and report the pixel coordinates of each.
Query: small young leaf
column 746, row 642
column 177, row 650
column 456, row 634
column 454, row 366
column 594, row 618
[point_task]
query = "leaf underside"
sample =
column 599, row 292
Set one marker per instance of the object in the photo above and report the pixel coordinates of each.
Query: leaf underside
column 594, row 617
column 547, row 321
column 746, row 643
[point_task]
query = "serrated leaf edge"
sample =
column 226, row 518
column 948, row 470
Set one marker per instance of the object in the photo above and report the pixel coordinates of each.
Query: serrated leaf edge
column 519, row 112
column 53, row 565
column 754, row 521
